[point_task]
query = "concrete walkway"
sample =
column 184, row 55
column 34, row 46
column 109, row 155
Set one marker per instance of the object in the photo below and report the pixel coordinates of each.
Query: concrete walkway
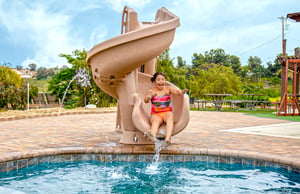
column 210, row 132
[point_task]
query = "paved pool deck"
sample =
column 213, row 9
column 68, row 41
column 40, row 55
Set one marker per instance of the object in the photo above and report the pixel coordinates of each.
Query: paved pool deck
column 208, row 133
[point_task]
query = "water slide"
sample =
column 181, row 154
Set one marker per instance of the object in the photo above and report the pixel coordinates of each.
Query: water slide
column 122, row 67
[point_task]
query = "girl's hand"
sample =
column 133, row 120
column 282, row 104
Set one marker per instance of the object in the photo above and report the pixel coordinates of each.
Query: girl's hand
column 184, row 91
column 149, row 94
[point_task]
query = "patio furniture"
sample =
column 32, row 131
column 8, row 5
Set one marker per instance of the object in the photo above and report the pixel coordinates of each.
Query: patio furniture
column 218, row 100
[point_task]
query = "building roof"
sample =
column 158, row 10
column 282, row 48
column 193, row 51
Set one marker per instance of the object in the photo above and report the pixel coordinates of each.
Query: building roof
column 294, row 16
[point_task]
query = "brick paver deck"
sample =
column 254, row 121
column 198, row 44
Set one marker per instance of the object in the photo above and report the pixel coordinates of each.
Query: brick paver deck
column 203, row 135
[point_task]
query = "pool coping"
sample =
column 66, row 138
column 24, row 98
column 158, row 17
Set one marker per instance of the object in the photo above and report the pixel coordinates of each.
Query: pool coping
column 18, row 160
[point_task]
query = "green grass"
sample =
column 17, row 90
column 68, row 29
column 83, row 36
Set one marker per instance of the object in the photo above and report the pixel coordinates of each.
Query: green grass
column 273, row 116
column 265, row 113
column 226, row 109
column 41, row 84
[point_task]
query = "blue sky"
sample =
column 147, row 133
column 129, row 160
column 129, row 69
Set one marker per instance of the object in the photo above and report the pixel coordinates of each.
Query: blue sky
column 37, row 31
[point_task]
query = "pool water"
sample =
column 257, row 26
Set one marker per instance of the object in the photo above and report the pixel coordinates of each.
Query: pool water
column 146, row 177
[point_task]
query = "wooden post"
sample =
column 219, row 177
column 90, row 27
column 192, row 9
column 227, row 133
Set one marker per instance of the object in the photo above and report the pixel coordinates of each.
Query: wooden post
column 297, row 83
column 283, row 77
column 297, row 55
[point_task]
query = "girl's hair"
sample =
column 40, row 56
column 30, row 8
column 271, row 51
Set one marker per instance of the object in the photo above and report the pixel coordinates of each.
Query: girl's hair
column 156, row 74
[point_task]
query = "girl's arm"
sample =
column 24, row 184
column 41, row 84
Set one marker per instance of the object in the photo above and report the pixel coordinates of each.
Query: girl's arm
column 148, row 96
column 177, row 91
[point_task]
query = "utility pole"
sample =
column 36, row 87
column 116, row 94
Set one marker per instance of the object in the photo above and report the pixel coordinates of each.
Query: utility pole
column 283, row 69
column 28, row 96
column 283, row 38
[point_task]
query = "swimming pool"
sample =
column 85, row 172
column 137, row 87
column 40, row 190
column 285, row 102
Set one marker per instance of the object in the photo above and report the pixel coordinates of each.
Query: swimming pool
column 148, row 177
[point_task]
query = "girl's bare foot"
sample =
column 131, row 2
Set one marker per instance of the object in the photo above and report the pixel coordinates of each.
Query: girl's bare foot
column 150, row 136
column 167, row 143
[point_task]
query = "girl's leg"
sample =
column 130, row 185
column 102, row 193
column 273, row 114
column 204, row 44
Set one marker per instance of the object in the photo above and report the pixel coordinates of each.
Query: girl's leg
column 169, row 120
column 155, row 121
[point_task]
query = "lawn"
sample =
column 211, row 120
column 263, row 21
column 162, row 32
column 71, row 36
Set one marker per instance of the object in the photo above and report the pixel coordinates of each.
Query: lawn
column 265, row 113
column 41, row 84
column 273, row 116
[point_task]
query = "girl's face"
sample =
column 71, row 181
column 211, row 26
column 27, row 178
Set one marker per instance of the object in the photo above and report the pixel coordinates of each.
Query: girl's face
column 160, row 82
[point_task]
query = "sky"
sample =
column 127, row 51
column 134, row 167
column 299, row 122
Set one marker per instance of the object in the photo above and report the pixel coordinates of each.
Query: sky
column 38, row 31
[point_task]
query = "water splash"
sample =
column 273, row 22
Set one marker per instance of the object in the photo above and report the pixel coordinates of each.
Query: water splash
column 83, row 79
column 158, row 148
column 153, row 168
column 64, row 96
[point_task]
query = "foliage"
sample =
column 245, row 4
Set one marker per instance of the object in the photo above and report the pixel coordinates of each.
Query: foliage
column 9, row 77
column 174, row 75
column 255, row 67
column 59, row 82
column 216, row 56
column 272, row 69
column 181, row 62
column 217, row 80
column 250, row 87
column 42, row 85
column 44, row 73
column 32, row 66
column 13, row 89
column 77, row 95
column 207, row 77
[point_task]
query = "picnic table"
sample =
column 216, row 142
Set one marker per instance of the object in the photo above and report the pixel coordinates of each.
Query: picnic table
column 250, row 102
column 218, row 96
column 235, row 104
column 203, row 102
column 218, row 100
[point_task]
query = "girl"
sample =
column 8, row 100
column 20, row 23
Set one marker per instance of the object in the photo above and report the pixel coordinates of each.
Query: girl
column 161, row 111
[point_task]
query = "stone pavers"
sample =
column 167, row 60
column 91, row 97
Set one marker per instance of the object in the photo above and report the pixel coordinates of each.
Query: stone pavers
column 84, row 133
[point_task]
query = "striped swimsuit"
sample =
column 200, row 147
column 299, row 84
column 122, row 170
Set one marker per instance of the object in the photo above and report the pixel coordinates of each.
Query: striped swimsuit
column 161, row 105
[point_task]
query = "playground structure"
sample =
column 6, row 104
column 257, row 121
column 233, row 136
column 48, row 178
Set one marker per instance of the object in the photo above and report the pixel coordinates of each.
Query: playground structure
column 122, row 67
column 292, row 64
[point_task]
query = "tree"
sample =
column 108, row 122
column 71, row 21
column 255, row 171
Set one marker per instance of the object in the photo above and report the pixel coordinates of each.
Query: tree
column 13, row 89
column 174, row 75
column 244, row 71
column 32, row 67
column 198, row 60
column 59, row 83
column 255, row 67
column 77, row 94
column 41, row 73
column 217, row 79
column 19, row 67
column 181, row 63
column 44, row 73
column 219, row 57
column 9, row 77
column 254, row 62
column 235, row 63
column 216, row 56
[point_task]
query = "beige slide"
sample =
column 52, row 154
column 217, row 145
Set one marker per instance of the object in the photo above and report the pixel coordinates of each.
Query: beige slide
column 122, row 67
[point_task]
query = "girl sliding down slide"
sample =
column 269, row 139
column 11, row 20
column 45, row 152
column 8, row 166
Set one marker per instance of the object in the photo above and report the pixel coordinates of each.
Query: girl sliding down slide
column 161, row 111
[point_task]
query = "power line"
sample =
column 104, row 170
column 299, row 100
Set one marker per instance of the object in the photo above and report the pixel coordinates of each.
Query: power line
column 267, row 42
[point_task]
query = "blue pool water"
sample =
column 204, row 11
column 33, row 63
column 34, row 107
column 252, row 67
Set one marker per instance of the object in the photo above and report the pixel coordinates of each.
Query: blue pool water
column 146, row 177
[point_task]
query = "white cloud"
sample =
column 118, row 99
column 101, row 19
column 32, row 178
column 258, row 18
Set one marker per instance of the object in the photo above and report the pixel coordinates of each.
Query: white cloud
column 48, row 28
column 47, row 33
column 118, row 5
column 98, row 35
column 234, row 26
